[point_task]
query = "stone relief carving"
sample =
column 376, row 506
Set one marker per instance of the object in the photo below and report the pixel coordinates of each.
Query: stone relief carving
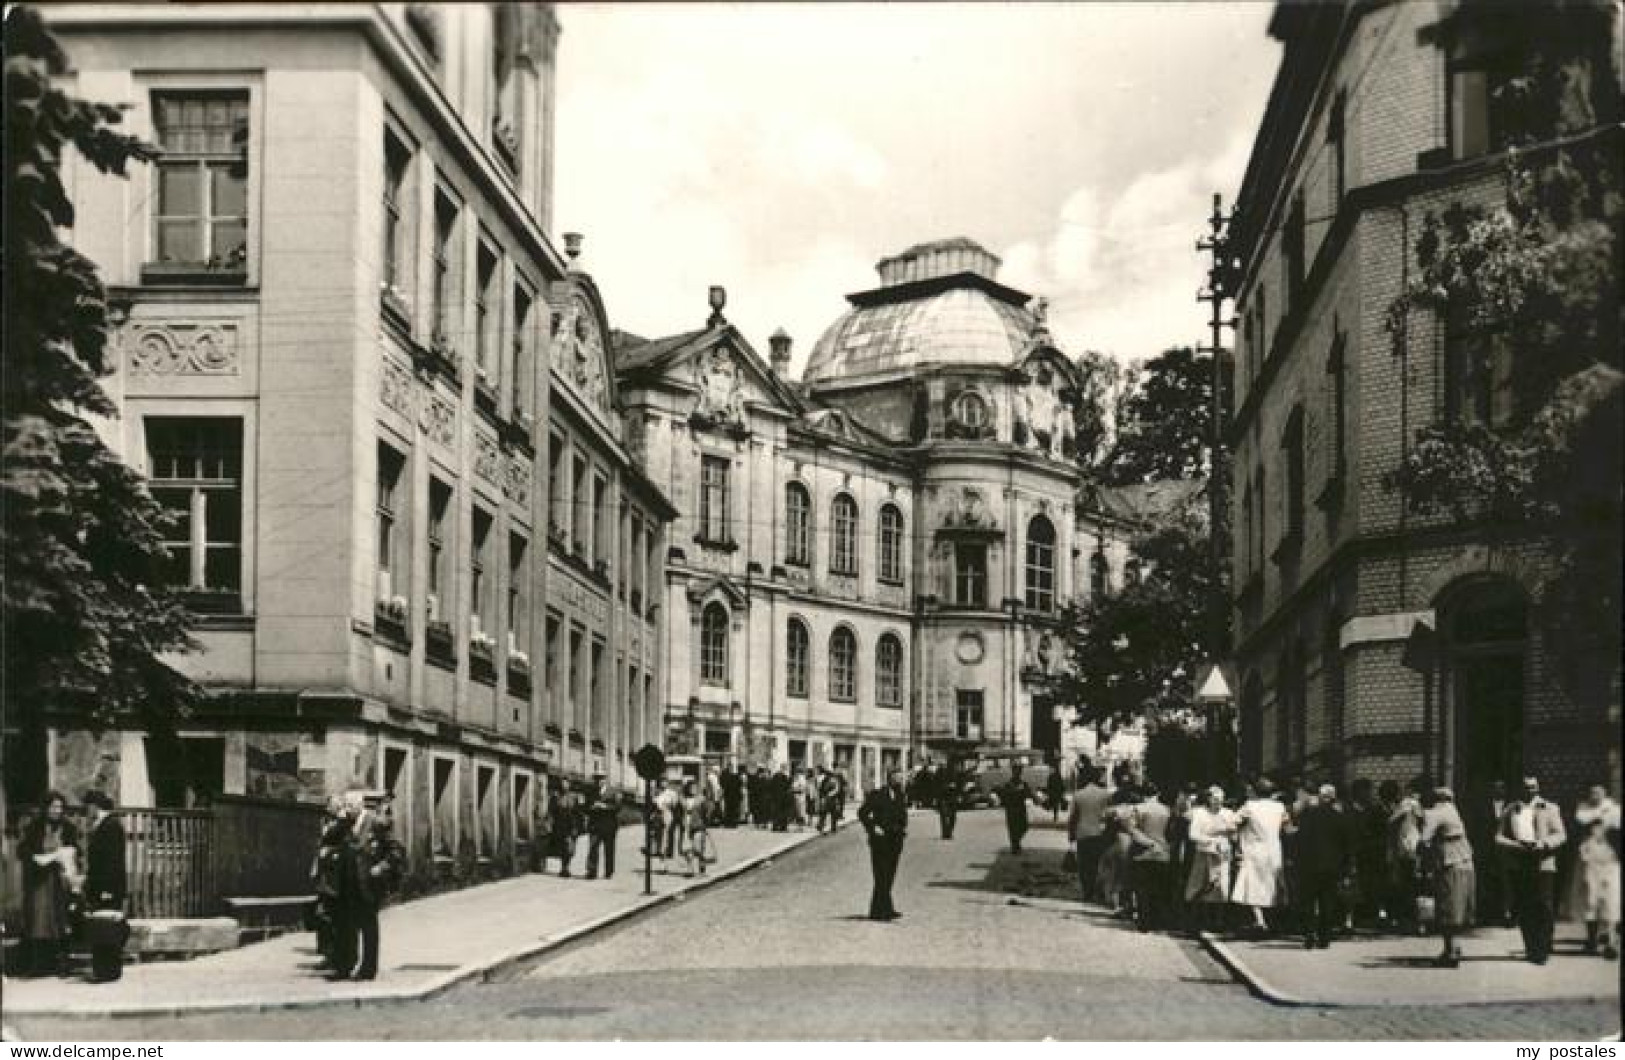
column 580, row 353
column 438, row 418
column 185, row 349
column 1043, row 416
column 516, row 480
column 722, row 397
column 395, row 387
column 967, row 509
column 487, row 461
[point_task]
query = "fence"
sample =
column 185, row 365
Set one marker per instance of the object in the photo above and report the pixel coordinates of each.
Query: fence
column 263, row 846
column 170, row 861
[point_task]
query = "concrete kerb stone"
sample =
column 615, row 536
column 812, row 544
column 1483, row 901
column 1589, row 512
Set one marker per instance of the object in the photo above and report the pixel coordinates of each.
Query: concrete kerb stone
column 482, row 970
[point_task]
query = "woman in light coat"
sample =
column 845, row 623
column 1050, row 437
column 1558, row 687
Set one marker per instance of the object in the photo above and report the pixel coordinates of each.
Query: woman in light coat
column 1258, row 880
column 1450, row 860
column 1212, row 835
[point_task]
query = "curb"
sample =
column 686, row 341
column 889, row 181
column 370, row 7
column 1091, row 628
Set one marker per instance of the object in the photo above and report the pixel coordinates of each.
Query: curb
column 482, row 971
column 1262, row 989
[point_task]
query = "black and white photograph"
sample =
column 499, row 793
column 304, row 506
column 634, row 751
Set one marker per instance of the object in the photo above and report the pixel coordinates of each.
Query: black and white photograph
column 747, row 522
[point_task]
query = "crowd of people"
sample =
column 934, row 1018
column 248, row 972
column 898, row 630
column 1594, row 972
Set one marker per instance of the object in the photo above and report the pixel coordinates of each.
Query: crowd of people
column 1315, row 861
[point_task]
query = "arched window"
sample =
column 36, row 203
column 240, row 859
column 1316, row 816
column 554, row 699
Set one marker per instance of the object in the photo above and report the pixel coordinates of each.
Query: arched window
column 889, row 671
column 891, row 544
column 714, row 644
column 1041, row 564
column 798, row 647
column 843, row 665
column 1099, row 575
column 843, row 556
column 797, row 524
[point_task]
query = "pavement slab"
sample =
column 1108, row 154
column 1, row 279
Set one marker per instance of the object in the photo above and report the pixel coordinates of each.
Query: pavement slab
column 427, row 945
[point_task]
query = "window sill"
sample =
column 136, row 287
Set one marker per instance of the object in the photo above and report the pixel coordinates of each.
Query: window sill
column 206, row 602
column 843, row 699
column 894, row 583
column 833, row 573
column 715, row 544
column 222, row 623
column 485, row 397
column 576, row 739
column 174, row 274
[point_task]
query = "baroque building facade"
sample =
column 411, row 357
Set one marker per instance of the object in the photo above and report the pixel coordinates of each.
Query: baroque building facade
column 869, row 561
column 355, row 365
column 1371, row 641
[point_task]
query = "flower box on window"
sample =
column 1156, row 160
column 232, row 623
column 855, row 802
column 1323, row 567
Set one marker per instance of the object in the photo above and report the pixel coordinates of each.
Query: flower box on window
column 481, row 646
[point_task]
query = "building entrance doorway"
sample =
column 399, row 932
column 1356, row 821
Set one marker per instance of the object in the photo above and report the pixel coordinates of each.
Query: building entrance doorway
column 1485, row 645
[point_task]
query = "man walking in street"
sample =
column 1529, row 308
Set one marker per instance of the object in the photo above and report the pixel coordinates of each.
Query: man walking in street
column 1014, row 796
column 1531, row 834
column 1085, row 827
column 829, row 790
column 884, row 815
column 105, row 888
column 947, row 795
column 1325, row 857
column 603, row 824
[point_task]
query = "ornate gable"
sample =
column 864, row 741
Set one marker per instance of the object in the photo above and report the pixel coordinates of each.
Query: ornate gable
column 580, row 348
column 1044, row 402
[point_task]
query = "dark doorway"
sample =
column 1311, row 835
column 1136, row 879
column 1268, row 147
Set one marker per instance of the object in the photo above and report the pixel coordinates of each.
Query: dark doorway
column 1485, row 628
column 1046, row 731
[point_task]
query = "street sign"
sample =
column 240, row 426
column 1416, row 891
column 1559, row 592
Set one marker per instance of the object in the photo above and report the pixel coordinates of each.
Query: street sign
column 1212, row 687
column 650, row 762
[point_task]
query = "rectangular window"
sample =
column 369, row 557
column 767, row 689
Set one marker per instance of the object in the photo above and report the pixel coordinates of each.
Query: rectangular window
column 970, row 574
column 445, row 258
column 581, row 509
column 393, row 567
column 397, row 160
column 551, row 662
column 439, row 579
column 577, row 677
column 485, row 298
column 479, row 590
column 1488, row 106
column 1335, row 143
column 1478, row 374
column 558, row 516
column 1292, row 250
column 634, row 559
column 1292, row 446
column 518, row 593
column 968, row 713
column 714, row 499
column 202, row 194
column 520, row 381
column 485, row 810
column 443, row 824
column 197, row 475
column 595, row 691
column 1337, row 392
column 603, row 524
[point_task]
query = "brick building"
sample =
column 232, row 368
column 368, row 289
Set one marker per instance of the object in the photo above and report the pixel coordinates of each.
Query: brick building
column 346, row 341
column 1371, row 642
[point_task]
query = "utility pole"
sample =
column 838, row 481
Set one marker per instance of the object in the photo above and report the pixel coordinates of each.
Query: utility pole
column 1222, row 277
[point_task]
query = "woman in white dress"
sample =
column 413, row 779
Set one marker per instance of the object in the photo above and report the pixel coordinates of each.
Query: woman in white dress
column 1212, row 834
column 1258, row 880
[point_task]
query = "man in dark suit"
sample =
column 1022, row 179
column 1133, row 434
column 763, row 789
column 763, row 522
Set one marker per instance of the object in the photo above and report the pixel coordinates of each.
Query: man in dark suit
column 733, row 791
column 947, row 795
column 1014, row 796
column 779, row 792
column 603, row 824
column 106, row 886
column 1325, row 857
column 884, row 815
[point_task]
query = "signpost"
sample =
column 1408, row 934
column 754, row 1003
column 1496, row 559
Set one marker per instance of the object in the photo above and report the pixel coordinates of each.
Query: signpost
column 650, row 763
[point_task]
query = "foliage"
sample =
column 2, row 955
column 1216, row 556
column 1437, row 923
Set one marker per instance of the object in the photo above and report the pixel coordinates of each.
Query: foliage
column 1540, row 270
column 86, row 616
column 1105, row 385
column 1165, row 428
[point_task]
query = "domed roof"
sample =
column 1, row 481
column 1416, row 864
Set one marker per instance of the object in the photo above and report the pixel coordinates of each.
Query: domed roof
column 938, row 303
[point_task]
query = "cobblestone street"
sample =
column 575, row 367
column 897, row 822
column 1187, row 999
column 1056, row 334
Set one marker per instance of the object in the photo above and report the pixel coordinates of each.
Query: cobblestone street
column 783, row 952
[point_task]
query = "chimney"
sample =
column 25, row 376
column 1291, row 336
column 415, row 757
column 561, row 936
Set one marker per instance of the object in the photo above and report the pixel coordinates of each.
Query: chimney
column 779, row 345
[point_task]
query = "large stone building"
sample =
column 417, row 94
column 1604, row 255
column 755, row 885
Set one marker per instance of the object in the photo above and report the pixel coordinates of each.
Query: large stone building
column 869, row 560
column 1372, row 642
column 353, row 362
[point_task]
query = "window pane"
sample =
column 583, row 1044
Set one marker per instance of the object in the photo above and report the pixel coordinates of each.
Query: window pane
column 178, row 568
column 180, row 241
column 230, row 192
column 223, row 516
column 180, row 190
column 230, row 240
column 223, row 567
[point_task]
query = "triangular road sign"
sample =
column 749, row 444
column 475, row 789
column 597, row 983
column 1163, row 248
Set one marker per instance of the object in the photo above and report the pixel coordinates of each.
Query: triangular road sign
column 1212, row 685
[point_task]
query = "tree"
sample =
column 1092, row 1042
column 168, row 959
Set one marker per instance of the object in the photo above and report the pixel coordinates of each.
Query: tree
column 1166, row 427
column 1536, row 278
column 86, row 614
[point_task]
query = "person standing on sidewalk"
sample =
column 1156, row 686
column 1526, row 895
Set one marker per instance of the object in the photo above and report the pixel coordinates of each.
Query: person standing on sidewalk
column 1450, row 858
column 603, row 824
column 49, row 855
column 1148, row 866
column 1596, row 870
column 1531, row 834
column 829, row 789
column 884, row 815
column 1014, row 795
column 1086, row 828
column 377, row 864
column 694, row 811
column 1325, row 857
column 1259, row 878
column 733, row 793
column 947, row 796
column 782, row 794
column 106, row 887
column 565, row 820
column 1055, row 792
column 1404, row 833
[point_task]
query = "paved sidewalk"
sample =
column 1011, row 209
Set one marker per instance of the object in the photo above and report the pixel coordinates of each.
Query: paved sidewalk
column 427, row 945
column 1398, row 970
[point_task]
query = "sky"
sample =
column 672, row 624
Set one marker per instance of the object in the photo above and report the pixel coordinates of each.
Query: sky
column 781, row 150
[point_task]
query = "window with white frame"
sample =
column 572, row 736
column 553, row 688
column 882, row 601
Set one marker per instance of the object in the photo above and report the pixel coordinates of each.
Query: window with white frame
column 843, row 555
column 843, row 665
column 889, row 671
column 797, row 524
column 201, row 213
column 714, row 644
column 196, row 473
column 970, row 573
column 798, row 649
column 1041, row 564
column 518, row 592
column 394, row 565
column 395, row 254
column 891, row 544
column 714, row 499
